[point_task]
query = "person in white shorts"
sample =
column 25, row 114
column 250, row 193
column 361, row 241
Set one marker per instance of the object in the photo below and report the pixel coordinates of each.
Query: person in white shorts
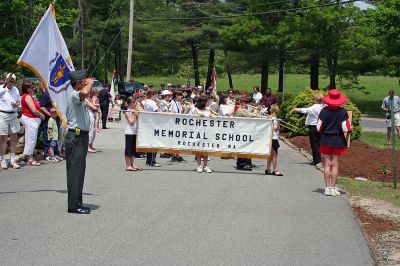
column 388, row 102
column 9, row 124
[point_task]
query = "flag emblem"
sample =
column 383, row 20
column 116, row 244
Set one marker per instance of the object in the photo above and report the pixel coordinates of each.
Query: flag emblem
column 59, row 69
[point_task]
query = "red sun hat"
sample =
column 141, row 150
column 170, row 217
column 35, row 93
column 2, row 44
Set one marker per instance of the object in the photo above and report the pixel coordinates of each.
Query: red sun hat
column 335, row 98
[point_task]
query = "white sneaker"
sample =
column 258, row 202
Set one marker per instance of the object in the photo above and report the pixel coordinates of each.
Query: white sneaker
column 48, row 158
column 59, row 158
column 199, row 169
column 207, row 169
column 54, row 160
column 4, row 165
column 14, row 165
column 327, row 191
column 335, row 192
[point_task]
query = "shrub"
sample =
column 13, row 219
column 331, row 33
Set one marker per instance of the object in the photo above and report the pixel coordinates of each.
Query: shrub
column 306, row 99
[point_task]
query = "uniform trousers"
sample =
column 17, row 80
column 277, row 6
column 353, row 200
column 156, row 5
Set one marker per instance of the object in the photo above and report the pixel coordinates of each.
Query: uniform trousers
column 151, row 158
column 315, row 139
column 104, row 115
column 31, row 131
column 242, row 162
column 75, row 154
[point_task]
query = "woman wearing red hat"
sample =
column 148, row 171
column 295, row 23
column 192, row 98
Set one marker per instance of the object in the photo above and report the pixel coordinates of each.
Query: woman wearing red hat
column 333, row 122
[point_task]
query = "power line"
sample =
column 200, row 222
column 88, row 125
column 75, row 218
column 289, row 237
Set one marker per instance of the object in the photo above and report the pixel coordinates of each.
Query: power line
column 102, row 58
column 233, row 8
column 101, row 36
column 248, row 15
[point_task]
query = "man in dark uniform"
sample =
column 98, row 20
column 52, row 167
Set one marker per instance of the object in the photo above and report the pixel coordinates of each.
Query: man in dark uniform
column 77, row 139
column 104, row 100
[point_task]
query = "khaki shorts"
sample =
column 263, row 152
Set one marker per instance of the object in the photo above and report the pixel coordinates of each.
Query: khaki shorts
column 9, row 124
column 396, row 120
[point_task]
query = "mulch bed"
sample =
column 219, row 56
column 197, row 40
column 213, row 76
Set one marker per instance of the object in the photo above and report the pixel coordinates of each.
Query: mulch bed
column 361, row 160
column 374, row 225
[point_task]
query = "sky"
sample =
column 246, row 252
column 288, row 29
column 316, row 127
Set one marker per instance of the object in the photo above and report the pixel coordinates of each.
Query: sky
column 362, row 5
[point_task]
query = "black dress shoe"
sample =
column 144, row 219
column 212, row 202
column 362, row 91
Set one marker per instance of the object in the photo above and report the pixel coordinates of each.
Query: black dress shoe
column 245, row 168
column 85, row 208
column 79, row 211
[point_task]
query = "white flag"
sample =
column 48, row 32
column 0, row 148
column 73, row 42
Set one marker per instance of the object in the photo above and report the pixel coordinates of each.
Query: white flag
column 112, row 89
column 46, row 54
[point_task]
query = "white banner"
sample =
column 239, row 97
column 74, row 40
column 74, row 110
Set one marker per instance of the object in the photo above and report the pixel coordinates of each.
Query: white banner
column 218, row 136
column 46, row 54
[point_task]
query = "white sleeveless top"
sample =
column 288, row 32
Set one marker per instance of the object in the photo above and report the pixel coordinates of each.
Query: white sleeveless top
column 131, row 129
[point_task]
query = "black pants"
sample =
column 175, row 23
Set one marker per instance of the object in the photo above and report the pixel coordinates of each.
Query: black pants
column 242, row 162
column 315, row 139
column 151, row 158
column 75, row 154
column 104, row 115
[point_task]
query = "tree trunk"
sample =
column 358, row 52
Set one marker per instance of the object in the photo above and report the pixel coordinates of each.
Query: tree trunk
column 281, row 69
column 211, row 61
column 331, row 71
column 106, row 59
column 195, row 57
column 120, row 59
column 314, row 71
column 81, row 30
column 264, row 75
column 228, row 70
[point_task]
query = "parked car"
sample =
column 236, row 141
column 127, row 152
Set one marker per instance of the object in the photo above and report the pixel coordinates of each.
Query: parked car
column 97, row 86
column 127, row 89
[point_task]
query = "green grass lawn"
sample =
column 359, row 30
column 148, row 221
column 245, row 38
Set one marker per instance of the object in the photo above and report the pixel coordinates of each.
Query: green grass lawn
column 377, row 139
column 372, row 190
column 370, row 104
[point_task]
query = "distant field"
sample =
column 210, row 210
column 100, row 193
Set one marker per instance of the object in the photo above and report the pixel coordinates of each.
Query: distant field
column 370, row 104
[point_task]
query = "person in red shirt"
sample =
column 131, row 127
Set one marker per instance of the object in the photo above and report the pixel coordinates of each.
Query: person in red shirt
column 31, row 119
column 268, row 99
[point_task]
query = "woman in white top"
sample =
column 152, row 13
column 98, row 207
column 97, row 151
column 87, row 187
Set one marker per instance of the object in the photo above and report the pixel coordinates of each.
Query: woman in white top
column 225, row 109
column 311, row 121
column 202, row 110
column 273, row 159
column 131, row 116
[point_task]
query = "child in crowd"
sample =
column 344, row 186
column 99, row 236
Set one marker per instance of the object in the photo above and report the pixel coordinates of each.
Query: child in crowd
column 52, row 133
column 273, row 160
column 150, row 106
column 93, row 107
column 202, row 110
column 131, row 116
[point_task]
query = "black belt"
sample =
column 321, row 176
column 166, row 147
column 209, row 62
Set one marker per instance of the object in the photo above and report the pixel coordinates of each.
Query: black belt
column 8, row 112
column 81, row 132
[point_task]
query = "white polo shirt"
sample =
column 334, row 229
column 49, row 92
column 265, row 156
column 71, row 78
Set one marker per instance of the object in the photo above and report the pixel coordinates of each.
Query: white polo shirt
column 7, row 97
column 312, row 113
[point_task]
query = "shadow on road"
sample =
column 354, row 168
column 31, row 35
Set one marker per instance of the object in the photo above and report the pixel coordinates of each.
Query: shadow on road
column 41, row 190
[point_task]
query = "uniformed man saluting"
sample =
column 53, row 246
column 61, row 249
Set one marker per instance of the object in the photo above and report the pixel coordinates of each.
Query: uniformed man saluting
column 77, row 139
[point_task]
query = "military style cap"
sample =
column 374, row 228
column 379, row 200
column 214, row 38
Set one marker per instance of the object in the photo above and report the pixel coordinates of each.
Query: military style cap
column 78, row 75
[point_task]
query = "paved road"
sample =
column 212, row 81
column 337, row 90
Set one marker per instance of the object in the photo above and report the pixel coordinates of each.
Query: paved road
column 175, row 216
column 373, row 124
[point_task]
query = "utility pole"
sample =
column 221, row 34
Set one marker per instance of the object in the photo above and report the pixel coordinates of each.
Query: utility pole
column 81, row 31
column 393, row 137
column 129, row 64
